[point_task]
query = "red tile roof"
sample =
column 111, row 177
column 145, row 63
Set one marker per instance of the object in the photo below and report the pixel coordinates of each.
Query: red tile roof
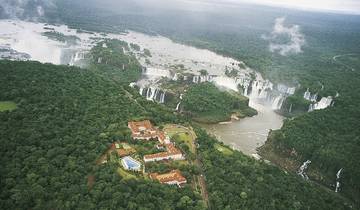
column 136, row 126
column 174, row 175
column 142, row 129
column 171, row 150
column 161, row 136
column 157, row 155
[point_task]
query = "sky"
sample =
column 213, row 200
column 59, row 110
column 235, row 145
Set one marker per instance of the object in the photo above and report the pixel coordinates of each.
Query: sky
column 338, row 6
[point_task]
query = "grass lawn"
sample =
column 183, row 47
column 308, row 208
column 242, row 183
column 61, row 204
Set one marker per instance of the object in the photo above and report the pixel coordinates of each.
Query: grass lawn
column 126, row 146
column 126, row 175
column 7, row 106
column 224, row 150
column 178, row 163
column 184, row 134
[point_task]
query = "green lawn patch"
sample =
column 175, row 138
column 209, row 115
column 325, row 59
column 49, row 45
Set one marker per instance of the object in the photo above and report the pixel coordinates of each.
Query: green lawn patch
column 7, row 106
column 126, row 175
column 222, row 149
column 182, row 134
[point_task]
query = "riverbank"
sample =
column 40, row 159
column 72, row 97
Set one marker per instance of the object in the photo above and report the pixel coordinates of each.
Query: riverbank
column 249, row 133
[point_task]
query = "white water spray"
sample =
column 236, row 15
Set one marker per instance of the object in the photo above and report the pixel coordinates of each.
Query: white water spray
column 178, row 106
column 338, row 176
column 303, row 168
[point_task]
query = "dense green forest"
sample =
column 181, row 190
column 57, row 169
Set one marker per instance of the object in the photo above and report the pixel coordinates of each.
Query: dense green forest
column 109, row 58
column 329, row 137
column 237, row 32
column 206, row 103
column 236, row 181
column 51, row 141
column 67, row 116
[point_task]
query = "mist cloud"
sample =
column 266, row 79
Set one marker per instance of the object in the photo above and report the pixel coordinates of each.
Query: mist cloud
column 24, row 9
column 285, row 40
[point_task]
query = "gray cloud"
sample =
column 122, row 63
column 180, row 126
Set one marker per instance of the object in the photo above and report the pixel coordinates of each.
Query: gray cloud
column 285, row 40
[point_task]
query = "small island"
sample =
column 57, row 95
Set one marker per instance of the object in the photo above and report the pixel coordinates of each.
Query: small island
column 206, row 103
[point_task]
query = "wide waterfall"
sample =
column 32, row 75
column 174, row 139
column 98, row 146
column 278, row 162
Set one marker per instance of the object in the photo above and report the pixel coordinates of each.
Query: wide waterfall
column 264, row 90
column 323, row 103
column 202, row 78
column 316, row 105
column 278, row 102
column 153, row 94
column 79, row 55
column 303, row 168
column 338, row 176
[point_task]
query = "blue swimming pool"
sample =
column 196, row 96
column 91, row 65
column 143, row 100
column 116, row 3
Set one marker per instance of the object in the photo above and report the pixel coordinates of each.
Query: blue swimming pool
column 130, row 163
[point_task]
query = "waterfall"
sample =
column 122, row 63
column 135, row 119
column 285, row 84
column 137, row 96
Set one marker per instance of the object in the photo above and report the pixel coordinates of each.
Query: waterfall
column 338, row 176
column 162, row 98
column 196, row 79
column 332, row 103
column 263, row 93
column 246, row 90
column 79, row 55
column 148, row 92
column 178, row 106
column 307, row 95
column 313, row 98
column 302, row 169
column 323, row 103
column 290, row 109
column 153, row 94
column 311, row 108
column 202, row 78
column 277, row 102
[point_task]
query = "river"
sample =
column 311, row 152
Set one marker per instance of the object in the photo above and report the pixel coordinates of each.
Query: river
column 249, row 133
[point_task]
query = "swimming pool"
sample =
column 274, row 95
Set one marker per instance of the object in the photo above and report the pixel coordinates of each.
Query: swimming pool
column 130, row 163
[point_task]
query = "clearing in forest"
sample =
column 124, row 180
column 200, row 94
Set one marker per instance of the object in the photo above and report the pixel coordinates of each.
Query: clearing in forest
column 183, row 134
column 224, row 150
column 7, row 106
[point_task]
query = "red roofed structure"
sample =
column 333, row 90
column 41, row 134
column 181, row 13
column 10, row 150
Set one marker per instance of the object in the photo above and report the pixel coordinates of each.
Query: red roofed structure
column 172, row 153
column 163, row 139
column 173, row 178
column 142, row 130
